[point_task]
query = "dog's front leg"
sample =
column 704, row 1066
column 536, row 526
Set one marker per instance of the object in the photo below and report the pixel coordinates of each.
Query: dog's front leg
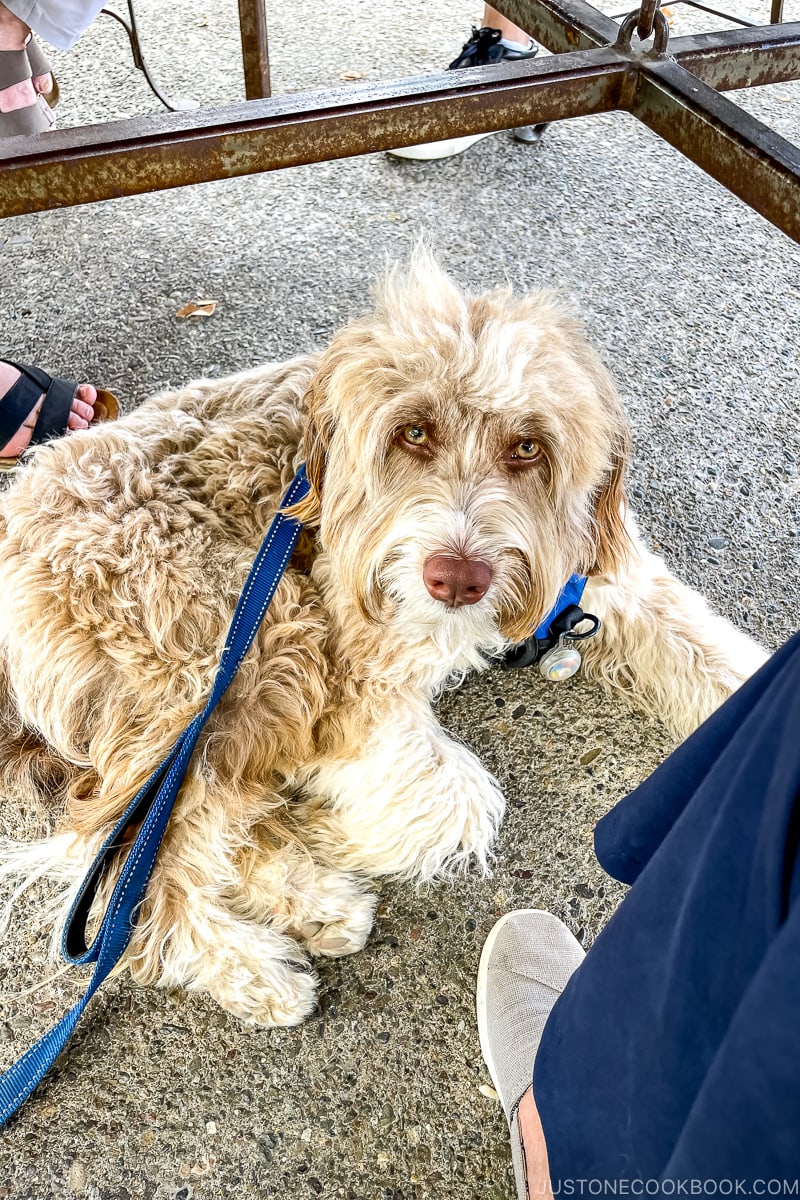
column 662, row 644
column 408, row 801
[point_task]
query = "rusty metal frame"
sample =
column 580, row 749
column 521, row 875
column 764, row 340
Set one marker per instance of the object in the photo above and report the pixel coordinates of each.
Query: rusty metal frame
column 255, row 48
column 598, row 66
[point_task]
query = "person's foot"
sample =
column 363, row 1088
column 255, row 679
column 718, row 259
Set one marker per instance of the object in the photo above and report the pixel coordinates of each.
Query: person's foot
column 486, row 46
column 80, row 416
column 15, row 36
column 43, row 80
column 525, row 964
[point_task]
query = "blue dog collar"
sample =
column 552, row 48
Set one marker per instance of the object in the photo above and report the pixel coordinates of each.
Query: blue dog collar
column 571, row 593
column 552, row 644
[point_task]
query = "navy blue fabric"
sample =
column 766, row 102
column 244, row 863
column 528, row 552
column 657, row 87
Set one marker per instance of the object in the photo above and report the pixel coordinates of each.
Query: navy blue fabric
column 152, row 806
column 674, row 1052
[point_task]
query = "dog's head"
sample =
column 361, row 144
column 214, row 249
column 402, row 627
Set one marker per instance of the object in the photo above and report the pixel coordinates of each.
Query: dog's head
column 466, row 456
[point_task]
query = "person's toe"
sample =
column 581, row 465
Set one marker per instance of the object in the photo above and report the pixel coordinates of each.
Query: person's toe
column 82, row 407
column 43, row 84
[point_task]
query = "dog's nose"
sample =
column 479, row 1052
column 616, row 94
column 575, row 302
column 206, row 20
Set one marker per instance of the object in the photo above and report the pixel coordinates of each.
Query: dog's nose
column 456, row 581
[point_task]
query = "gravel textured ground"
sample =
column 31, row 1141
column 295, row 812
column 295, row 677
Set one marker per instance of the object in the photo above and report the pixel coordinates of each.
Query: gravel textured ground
column 694, row 302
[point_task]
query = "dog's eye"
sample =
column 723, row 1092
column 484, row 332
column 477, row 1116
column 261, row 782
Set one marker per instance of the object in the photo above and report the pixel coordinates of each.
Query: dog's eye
column 526, row 451
column 415, row 437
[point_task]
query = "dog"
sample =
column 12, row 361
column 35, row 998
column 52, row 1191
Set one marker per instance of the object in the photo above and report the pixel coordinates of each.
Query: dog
column 466, row 456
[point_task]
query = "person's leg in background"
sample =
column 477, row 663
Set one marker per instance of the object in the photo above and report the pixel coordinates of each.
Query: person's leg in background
column 498, row 40
column 27, row 87
column 671, row 1052
column 509, row 32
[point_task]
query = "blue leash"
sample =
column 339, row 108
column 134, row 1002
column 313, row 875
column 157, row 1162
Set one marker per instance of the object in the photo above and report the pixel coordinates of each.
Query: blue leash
column 152, row 806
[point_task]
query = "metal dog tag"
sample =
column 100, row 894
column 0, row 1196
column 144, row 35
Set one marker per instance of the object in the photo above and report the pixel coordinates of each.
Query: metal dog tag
column 561, row 662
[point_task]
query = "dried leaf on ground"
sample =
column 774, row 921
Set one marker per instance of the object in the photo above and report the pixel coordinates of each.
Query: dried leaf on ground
column 199, row 308
column 350, row 74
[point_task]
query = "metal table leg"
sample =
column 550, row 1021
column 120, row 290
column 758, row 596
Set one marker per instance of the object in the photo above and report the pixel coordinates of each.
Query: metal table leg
column 255, row 48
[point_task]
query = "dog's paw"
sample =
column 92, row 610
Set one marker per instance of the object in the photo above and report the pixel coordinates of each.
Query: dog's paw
column 340, row 934
column 285, row 997
column 477, row 799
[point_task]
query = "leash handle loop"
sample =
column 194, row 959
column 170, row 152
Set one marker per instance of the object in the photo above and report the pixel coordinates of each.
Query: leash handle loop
column 152, row 807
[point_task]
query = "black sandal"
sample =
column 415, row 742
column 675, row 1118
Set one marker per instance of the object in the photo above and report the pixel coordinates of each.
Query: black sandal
column 23, row 396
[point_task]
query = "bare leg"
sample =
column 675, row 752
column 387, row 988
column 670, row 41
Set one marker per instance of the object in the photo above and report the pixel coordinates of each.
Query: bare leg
column 508, row 29
column 534, row 1148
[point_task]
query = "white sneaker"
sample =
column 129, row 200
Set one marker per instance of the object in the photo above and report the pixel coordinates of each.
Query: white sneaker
column 485, row 46
column 448, row 148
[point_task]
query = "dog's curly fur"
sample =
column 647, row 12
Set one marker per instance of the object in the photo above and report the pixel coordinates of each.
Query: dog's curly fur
column 122, row 553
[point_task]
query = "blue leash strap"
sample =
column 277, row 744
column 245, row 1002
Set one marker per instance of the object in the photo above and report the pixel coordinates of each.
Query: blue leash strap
column 152, row 807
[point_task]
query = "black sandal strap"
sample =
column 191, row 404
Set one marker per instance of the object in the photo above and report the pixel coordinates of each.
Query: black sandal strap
column 38, row 376
column 21, row 399
column 54, row 413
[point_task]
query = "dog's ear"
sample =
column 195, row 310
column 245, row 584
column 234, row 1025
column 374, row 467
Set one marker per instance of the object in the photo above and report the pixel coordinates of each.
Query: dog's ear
column 317, row 437
column 613, row 541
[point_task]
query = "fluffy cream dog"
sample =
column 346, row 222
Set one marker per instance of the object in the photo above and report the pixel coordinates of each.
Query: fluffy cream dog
column 466, row 457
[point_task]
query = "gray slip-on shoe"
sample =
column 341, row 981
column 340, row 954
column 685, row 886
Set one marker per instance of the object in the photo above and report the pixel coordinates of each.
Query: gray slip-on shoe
column 525, row 965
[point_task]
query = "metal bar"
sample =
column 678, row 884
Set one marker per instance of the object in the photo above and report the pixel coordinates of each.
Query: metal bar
column 718, row 12
column 146, row 154
column 123, row 158
column 748, row 158
column 255, row 48
column 561, row 25
column 739, row 58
